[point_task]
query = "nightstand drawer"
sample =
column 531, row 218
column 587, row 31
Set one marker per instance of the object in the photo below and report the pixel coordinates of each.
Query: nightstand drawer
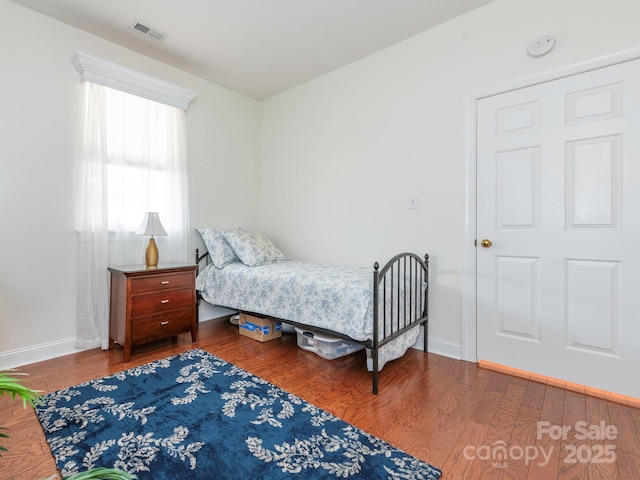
column 161, row 302
column 156, row 327
column 157, row 283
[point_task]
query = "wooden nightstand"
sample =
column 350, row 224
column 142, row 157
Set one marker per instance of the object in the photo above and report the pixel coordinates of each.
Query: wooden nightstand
column 148, row 305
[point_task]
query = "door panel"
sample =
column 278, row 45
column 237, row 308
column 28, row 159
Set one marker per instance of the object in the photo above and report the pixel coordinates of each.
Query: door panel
column 517, row 188
column 593, row 326
column 517, row 297
column 558, row 195
column 593, row 182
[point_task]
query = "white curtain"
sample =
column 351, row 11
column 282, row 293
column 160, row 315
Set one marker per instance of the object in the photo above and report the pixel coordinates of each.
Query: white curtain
column 134, row 161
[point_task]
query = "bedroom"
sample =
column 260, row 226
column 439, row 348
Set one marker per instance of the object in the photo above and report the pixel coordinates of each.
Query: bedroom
column 245, row 152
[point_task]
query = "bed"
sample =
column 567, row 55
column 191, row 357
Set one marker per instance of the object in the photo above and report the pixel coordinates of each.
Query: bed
column 380, row 309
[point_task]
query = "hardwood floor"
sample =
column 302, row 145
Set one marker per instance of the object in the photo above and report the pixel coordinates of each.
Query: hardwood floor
column 449, row 413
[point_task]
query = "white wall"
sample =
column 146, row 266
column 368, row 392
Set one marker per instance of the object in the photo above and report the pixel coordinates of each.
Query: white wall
column 40, row 137
column 341, row 154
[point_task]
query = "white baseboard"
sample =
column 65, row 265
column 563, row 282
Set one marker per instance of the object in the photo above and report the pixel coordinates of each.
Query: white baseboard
column 47, row 351
column 38, row 353
column 206, row 311
column 440, row 346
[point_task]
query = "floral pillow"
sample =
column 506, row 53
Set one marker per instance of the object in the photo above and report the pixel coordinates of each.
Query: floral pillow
column 253, row 249
column 219, row 249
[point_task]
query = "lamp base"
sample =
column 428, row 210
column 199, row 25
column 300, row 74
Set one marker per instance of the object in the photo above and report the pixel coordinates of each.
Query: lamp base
column 151, row 255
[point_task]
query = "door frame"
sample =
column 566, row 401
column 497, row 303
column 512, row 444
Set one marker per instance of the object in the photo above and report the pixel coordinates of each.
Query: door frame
column 469, row 299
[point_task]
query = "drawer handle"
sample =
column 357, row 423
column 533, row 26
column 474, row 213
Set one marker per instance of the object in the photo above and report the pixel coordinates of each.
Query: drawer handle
column 166, row 282
column 164, row 323
column 164, row 301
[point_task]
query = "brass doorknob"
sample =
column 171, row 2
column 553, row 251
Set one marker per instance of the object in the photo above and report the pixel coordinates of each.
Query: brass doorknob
column 486, row 243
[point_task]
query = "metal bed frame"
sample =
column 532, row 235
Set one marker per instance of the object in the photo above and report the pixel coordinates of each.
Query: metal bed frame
column 399, row 288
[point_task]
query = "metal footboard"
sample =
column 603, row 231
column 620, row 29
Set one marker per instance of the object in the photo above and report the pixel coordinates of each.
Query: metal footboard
column 400, row 302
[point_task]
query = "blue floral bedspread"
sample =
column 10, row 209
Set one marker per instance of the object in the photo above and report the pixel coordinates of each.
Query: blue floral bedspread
column 332, row 297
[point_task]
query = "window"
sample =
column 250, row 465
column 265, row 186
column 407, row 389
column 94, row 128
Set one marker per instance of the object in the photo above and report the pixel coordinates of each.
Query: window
column 142, row 171
column 135, row 162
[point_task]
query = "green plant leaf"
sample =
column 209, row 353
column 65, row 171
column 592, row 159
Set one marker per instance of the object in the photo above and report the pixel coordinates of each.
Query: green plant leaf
column 11, row 385
column 104, row 474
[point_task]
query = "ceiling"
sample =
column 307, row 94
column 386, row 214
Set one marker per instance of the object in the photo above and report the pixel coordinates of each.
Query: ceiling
column 256, row 47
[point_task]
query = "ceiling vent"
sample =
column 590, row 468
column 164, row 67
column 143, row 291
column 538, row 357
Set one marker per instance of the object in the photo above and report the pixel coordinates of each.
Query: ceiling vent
column 148, row 31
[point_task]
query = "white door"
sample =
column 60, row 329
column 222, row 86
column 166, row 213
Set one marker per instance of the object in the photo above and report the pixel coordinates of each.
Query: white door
column 558, row 197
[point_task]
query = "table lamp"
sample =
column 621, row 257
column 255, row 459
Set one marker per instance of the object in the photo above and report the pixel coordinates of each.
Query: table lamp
column 151, row 226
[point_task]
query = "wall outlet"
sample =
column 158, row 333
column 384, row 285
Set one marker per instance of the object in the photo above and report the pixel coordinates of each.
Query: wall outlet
column 412, row 202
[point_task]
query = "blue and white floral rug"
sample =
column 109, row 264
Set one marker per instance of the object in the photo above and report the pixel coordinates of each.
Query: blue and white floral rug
column 195, row 416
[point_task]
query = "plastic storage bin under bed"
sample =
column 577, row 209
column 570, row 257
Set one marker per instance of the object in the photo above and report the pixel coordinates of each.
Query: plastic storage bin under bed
column 324, row 345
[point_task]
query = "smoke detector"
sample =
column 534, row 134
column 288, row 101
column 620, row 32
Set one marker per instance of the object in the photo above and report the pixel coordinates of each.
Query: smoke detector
column 541, row 45
column 147, row 31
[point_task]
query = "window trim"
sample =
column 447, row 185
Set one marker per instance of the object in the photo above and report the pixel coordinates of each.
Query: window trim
column 97, row 70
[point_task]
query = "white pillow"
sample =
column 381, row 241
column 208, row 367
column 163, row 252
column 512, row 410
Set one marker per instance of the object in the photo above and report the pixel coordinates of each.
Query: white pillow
column 253, row 249
column 219, row 249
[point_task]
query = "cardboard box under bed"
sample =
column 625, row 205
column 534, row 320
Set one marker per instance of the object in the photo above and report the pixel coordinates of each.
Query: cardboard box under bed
column 259, row 328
